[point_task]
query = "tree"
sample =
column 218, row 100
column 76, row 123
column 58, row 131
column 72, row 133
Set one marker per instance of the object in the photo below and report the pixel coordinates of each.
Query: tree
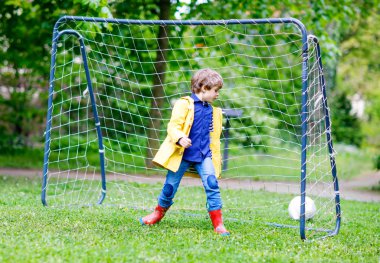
column 26, row 30
column 359, row 73
column 158, row 81
column 31, row 22
column 346, row 125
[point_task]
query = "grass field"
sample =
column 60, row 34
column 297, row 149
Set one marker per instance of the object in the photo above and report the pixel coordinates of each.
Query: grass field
column 33, row 233
column 258, row 166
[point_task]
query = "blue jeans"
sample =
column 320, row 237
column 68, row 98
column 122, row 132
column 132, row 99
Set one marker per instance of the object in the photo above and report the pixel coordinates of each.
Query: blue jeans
column 207, row 173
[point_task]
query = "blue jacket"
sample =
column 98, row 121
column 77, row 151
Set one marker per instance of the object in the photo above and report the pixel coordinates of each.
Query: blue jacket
column 169, row 156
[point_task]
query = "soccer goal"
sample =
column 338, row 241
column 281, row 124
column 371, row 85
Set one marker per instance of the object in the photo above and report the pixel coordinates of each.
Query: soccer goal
column 113, row 83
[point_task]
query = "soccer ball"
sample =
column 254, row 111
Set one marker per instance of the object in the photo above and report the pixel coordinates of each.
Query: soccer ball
column 295, row 206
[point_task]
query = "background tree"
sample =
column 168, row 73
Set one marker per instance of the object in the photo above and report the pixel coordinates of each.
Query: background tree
column 158, row 82
column 359, row 73
column 25, row 36
column 346, row 30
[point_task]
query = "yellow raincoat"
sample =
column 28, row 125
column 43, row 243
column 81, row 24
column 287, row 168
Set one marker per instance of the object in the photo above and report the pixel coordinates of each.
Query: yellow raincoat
column 169, row 156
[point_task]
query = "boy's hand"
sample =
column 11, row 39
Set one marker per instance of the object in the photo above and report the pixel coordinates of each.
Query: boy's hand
column 185, row 142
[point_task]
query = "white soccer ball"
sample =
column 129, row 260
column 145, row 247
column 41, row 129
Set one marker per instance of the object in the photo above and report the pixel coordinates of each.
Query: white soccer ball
column 295, row 206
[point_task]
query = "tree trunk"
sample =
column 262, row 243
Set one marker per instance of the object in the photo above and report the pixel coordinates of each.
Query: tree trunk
column 158, row 82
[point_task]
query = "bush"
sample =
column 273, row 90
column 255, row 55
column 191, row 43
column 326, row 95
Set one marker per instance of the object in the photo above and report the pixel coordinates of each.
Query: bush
column 377, row 162
column 346, row 127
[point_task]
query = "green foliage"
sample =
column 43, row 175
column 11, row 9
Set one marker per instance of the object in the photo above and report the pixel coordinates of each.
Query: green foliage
column 376, row 187
column 18, row 120
column 32, row 22
column 347, row 22
column 108, row 233
column 346, row 126
column 377, row 162
column 26, row 30
column 359, row 74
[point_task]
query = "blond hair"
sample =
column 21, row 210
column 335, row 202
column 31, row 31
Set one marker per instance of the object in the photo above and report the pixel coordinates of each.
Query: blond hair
column 207, row 78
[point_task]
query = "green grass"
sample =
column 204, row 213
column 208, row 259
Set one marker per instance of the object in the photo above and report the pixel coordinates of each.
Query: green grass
column 375, row 188
column 32, row 233
column 22, row 158
column 276, row 165
column 351, row 164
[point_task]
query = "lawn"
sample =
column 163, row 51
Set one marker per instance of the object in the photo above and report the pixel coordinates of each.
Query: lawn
column 274, row 165
column 33, row 233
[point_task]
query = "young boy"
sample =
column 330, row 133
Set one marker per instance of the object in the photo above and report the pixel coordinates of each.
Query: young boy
column 193, row 140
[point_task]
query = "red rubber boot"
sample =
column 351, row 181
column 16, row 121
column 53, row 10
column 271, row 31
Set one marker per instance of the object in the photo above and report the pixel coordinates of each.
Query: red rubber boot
column 217, row 222
column 155, row 217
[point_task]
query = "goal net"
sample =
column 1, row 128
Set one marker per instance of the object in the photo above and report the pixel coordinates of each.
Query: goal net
column 113, row 84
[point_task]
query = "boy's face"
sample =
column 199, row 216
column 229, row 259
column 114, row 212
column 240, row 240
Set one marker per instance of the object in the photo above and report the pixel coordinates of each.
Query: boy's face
column 210, row 95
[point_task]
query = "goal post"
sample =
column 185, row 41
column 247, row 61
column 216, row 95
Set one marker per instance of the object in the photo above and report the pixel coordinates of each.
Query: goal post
column 107, row 114
column 326, row 111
